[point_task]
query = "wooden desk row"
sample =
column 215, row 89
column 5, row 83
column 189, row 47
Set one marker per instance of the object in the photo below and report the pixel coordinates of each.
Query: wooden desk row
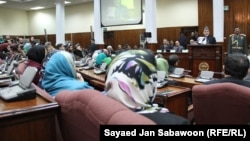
column 29, row 120
column 176, row 101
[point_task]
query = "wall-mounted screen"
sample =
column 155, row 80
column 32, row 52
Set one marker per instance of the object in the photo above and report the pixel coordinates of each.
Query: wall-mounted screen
column 120, row 12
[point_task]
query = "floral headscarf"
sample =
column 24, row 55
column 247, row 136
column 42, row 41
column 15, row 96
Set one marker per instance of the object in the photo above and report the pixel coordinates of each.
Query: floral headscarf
column 131, row 79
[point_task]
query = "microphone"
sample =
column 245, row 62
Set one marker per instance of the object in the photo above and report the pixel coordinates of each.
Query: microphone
column 203, row 39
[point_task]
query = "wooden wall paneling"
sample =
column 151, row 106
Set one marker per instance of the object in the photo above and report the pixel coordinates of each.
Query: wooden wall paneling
column 109, row 39
column 68, row 37
column 205, row 15
column 131, row 37
column 52, row 39
column 237, row 15
column 82, row 38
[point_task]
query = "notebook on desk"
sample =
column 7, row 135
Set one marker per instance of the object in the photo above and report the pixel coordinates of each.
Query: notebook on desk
column 178, row 73
column 23, row 89
column 205, row 76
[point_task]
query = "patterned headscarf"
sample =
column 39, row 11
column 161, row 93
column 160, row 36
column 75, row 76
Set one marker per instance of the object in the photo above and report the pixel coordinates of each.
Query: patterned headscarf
column 131, row 79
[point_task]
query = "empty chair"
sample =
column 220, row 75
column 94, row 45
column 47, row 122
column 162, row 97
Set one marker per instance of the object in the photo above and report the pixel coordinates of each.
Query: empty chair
column 82, row 112
column 221, row 103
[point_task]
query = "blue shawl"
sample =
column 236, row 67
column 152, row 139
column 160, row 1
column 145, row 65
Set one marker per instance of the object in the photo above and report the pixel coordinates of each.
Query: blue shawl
column 60, row 74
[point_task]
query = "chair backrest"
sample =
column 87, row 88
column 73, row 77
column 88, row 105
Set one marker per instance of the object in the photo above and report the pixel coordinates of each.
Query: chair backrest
column 221, row 103
column 83, row 111
column 21, row 67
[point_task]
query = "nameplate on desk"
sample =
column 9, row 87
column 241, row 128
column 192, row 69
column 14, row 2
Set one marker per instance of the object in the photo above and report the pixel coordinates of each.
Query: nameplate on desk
column 185, row 51
column 172, row 51
column 158, row 51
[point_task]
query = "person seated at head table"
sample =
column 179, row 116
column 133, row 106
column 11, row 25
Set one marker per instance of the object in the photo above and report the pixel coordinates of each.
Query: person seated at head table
column 165, row 47
column 178, row 47
column 132, row 80
column 235, row 69
column 60, row 74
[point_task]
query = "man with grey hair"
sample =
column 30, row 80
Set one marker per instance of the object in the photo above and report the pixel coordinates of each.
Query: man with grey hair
column 207, row 38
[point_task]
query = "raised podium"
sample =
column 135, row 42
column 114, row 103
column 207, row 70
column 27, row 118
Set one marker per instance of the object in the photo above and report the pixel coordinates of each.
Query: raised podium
column 205, row 57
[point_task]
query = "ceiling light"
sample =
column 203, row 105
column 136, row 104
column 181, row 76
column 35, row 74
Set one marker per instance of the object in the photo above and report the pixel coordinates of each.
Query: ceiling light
column 2, row 2
column 67, row 2
column 37, row 8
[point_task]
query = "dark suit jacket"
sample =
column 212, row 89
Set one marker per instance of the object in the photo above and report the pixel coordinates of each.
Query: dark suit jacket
column 211, row 40
column 229, row 79
column 167, row 48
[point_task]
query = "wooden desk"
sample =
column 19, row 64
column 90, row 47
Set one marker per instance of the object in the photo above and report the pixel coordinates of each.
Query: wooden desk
column 89, row 75
column 96, row 80
column 28, row 120
column 176, row 101
column 188, row 82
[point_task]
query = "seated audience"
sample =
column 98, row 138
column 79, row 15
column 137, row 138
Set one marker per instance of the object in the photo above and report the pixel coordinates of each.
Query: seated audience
column 110, row 50
column 36, row 55
column 78, row 52
column 119, row 49
column 235, row 69
column 173, row 61
column 60, row 46
column 60, row 74
column 70, row 49
column 100, row 58
column 131, row 79
column 162, row 64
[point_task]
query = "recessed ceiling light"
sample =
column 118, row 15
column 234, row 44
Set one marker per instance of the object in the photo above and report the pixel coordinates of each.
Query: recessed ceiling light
column 2, row 2
column 37, row 8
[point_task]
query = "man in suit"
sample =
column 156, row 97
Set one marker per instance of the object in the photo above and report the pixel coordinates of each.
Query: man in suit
column 237, row 42
column 165, row 47
column 178, row 47
column 206, row 39
column 235, row 68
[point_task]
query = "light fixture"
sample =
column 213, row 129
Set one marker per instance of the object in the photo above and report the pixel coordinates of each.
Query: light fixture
column 67, row 2
column 37, row 8
column 2, row 2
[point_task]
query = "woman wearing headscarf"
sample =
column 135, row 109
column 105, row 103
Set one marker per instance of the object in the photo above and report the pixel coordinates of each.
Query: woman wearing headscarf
column 35, row 56
column 131, row 79
column 60, row 74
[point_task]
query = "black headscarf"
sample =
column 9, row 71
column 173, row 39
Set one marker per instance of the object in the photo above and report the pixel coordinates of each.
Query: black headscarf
column 36, row 53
